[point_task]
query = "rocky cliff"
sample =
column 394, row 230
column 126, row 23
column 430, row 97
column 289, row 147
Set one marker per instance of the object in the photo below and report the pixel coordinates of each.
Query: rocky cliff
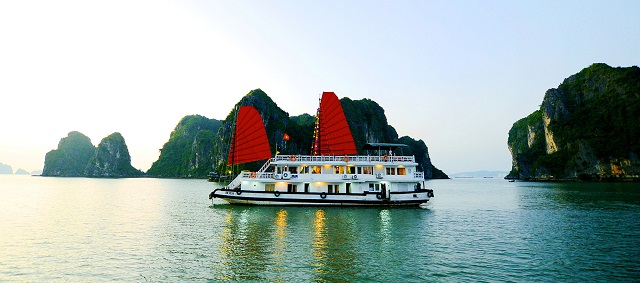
column 188, row 153
column 70, row 158
column 111, row 159
column 77, row 157
column 586, row 129
column 365, row 117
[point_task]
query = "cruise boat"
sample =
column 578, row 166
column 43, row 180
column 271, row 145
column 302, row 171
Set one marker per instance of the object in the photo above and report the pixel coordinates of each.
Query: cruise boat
column 333, row 174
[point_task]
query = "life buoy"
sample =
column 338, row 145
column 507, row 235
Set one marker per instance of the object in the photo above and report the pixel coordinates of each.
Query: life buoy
column 379, row 196
column 323, row 195
column 238, row 192
column 345, row 158
column 253, row 174
column 385, row 158
column 276, row 193
column 292, row 158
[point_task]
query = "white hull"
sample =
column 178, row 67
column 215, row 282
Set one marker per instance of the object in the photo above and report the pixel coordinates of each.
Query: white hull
column 322, row 199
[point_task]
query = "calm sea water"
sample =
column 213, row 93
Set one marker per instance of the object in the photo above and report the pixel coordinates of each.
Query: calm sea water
column 160, row 230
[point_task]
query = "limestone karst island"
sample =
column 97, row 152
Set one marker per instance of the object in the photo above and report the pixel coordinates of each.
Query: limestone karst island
column 588, row 128
column 199, row 145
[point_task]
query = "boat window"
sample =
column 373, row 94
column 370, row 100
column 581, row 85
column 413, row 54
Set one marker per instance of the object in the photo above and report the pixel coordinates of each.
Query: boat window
column 359, row 170
column 348, row 188
column 351, row 169
column 293, row 170
column 316, row 169
column 292, row 188
column 391, row 171
column 338, row 169
column 377, row 186
column 330, row 189
column 402, row 171
column 306, row 187
column 269, row 187
column 367, row 170
column 370, row 187
column 304, row 169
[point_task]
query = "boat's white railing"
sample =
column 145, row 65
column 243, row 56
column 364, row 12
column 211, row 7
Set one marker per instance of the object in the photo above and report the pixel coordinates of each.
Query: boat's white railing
column 342, row 158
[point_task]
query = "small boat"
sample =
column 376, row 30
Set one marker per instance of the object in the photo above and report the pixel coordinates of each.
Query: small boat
column 333, row 174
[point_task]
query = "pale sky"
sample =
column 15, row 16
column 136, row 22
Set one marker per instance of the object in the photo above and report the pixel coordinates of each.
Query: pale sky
column 456, row 74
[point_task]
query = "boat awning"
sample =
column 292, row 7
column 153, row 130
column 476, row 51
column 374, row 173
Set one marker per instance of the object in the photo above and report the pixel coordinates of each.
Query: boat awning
column 383, row 146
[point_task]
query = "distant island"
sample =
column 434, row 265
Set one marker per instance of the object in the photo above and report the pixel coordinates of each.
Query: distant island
column 199, row 145
column 77, row 157
column 588, row 128
column 5, row 169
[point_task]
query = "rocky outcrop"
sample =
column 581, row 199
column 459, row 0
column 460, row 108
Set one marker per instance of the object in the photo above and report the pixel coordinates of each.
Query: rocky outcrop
column 586, row 129
column 77, row 157
column 70, row 158
column 188, row 153
column 111, row 159
column 205, row 147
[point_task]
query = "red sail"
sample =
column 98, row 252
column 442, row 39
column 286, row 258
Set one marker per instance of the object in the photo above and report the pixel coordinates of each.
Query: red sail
column 334, row 134
column 250, row 141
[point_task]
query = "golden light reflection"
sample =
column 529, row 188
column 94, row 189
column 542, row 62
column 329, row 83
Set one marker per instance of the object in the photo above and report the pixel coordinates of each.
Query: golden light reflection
column 281, row 233
column 320, row 241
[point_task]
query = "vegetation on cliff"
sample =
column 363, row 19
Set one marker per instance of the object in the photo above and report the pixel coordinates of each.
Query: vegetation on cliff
column 188, row 151
column 111, row 159
column 70, row 158
column 588, row 128
column 77, row 157
column 365, row 117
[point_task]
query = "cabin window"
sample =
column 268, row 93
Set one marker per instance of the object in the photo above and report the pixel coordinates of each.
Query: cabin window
column 351, row 169
column 338, row 169
column 370, row 187
column 306, row 187
column 348, row 188
column 269, row 187
column 316, row 169
column 330, row 189
column 293, row 170
column 367, row 170
column 402, row 171
column 391, row 171
column 292, row 188
column 304, row 169
column 359, row 170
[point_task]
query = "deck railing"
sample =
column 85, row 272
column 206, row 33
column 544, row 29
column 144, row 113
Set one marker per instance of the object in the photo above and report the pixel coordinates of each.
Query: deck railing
column 343, row 158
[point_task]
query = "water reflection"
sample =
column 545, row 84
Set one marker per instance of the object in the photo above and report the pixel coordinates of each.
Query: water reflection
column 335, row 250
column 246, row 242
column 265, row 243
column 279, row 243
column 319, row 241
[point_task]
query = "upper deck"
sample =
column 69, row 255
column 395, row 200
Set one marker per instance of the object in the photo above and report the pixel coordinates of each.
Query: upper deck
column 332, row 159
